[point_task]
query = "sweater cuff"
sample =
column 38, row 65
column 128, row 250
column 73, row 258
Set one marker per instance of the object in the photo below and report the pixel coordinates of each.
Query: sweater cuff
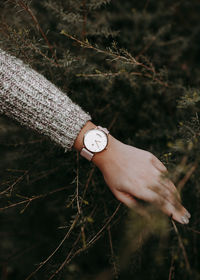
column 33, row 101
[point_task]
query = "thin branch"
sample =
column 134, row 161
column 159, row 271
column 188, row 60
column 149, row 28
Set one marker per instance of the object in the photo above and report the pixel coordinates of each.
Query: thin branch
column 66, row 259
column 10, row 188
column 116, row 56
column 193, row 230
column 84, row 19
column 57, row 248
column 30, row 199
column 182, row 247
column 111, row 246
column 77, row 183
column 110, row 74
column 171, row 271
column 96, row 236
column 187, row 176
column 29, row 11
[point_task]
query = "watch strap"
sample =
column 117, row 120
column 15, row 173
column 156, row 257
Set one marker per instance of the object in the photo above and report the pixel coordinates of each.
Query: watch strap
column 103, row 128
column 87, row 154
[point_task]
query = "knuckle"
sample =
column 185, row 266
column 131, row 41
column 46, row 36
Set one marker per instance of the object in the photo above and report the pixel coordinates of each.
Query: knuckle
column 117, row 194
column 149, row 156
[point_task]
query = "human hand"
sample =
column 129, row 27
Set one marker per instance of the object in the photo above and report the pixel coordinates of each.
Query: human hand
column 133, row 174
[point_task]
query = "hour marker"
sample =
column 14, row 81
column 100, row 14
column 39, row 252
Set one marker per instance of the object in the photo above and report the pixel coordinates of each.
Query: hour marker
column 99, row 135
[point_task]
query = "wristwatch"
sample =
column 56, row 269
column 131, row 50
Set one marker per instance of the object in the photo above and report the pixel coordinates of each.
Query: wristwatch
column 95, row 140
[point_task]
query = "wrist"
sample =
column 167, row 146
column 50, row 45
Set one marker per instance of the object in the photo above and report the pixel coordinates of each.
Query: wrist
column 99, row 158
column 78, row 143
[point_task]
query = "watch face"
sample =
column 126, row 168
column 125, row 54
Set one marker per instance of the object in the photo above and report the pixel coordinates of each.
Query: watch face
column 95, row 140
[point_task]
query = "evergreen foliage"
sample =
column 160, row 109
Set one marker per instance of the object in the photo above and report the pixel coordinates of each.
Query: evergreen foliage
column 134, row 65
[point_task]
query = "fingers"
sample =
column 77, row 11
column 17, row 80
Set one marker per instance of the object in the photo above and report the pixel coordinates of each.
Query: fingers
column 178, row 213
column 163, row 180
column 158, row 164
column 131, row 202
column 166, row 194
column 161, row 197
column 166, row 183
column 161, row 172
column 127, row 199
column 166, row 202
column 168, row 189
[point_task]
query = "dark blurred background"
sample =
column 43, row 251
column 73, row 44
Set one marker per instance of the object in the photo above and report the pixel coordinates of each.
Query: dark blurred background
column 134, row 65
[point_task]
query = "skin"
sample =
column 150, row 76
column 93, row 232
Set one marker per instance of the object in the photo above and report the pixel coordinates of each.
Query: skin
column 134, row 175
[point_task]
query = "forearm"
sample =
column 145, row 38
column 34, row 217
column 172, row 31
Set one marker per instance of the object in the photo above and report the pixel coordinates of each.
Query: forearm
column 33, row 101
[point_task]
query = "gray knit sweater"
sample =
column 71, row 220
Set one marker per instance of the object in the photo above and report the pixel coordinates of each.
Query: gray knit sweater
column 33, row 101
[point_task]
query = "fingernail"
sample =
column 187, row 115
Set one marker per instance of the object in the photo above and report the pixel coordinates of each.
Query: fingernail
column 188, row 214
column 184, row 219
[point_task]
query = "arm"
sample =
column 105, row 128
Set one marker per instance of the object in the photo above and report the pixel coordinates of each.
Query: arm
column 130, row 173
column 33, row 101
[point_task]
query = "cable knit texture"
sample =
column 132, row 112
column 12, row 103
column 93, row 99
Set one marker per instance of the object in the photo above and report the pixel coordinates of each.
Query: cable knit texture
column 33, row 101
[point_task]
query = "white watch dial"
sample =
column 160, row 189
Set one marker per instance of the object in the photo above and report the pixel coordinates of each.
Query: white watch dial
column 95, row 140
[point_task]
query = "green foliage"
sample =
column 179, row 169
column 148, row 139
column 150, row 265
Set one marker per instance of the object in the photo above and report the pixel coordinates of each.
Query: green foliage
column 134, row 65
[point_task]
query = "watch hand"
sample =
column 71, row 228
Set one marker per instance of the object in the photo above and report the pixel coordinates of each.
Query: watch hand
column 97, row 143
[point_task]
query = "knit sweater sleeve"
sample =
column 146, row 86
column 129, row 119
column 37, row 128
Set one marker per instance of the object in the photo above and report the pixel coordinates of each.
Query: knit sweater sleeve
column 33, row 101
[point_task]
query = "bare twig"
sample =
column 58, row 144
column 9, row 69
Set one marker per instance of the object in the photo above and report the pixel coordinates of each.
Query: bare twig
column 57, row 248
column 111, row 246
column 84, row 19
column 66, row 259
column 29, row 11
column 187, row 176
column 182, row 247
column 96, row 236
column 10, row 188
column 129, row 59
column 30, row 199
column 77, row 183
column 110, row 74
column 171, row 271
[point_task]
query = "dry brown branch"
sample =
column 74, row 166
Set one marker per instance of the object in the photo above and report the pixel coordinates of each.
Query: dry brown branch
column 123, row 73
column 68, row 256
column 129, row 59
column 182, row 247
column 77, row 183
column 171, row 271
column 57, row 248
column 87, row 184
column 187, row 176
column 96, row 236
column 193, row 230
column 84, row 19
column 22, row 143
column 115, row 271
column 5, row 29
column 37, row 50
column 36, row 22
column 44, row 173
column 146, row 47
column 30, row 199
column 10, row 188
